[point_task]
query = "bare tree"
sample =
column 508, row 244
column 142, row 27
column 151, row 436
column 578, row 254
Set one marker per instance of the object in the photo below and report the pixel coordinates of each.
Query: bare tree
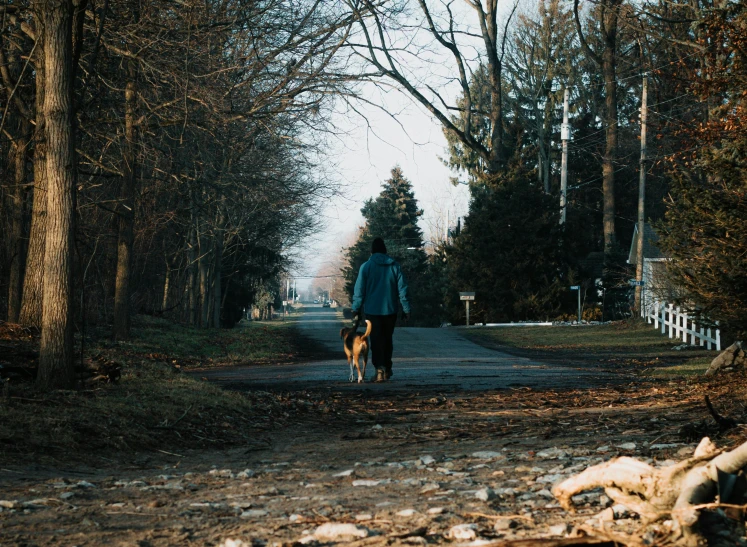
column 383, row 47
column 541, row 62
column 126, row 210
column 15, row 76
column 56, row 351
column 606, row 15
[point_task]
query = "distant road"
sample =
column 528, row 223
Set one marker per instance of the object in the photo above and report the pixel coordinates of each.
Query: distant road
column 437, row 359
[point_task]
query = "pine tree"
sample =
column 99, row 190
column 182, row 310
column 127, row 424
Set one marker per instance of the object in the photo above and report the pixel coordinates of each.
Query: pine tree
column 510, row 253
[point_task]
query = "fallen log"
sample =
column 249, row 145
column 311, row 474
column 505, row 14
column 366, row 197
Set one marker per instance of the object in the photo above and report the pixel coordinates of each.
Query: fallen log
column 679, row 491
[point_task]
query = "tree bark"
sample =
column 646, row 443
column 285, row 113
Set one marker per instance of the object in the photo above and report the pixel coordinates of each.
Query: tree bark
column 16, row 236
column 218, row 272
column 192, row 264
column 609, row 70
column 31, row 304
column 56, row 349
column 126, row 213
column 204, row 266
column 608, row 19
column 166, row 286
column 489, row 31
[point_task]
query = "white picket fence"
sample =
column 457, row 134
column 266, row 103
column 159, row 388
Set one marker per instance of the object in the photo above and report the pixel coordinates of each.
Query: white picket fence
column 680, row 326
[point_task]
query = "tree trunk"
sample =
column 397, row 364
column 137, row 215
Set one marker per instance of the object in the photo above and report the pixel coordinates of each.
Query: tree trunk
column 166, row 286
column 31, row 303
column 126, row 213
column 495, row 67
column 496, row 118
column 192, row 265
column 16, row 236
column 609, row 71
column 607, row 61
column 204, row 264
column 218, row 271
column 56, row 349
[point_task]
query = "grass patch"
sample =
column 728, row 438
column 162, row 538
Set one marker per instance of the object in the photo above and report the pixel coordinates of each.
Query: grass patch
column 630, row 346
column 692, row 367
column 154, row 406
column 592, row 337
column 250, row 343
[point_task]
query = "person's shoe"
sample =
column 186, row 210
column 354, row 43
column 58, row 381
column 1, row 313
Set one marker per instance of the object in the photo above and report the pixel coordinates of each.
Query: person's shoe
column 380, row 376
column 388, row 373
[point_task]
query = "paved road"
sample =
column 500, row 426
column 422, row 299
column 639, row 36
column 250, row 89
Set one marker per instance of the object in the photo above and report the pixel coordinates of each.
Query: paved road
column 423, row 358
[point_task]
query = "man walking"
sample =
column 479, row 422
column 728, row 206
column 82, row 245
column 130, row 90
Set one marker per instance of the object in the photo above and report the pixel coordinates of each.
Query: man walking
column 379, row 290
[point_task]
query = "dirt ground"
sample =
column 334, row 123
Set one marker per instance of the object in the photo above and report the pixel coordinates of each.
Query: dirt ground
column 399, row 468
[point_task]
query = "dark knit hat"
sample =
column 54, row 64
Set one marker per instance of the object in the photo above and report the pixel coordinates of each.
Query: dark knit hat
column 378, row 246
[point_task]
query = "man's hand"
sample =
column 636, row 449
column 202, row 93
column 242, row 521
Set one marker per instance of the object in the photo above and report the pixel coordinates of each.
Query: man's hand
column 405, row 316
column 356, row 314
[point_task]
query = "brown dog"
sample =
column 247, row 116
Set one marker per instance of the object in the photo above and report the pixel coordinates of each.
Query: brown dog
column 356, row 346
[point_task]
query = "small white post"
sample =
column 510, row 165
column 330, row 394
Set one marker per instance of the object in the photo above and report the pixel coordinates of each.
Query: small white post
column 684, row 329
column 702, row 337
column 694, row 334
column 709, row 338
column 671, row 320
column 467, row 303
column 718, row 339
column 656, row 315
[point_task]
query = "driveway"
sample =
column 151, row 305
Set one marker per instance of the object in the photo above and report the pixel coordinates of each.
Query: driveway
column 438, row 358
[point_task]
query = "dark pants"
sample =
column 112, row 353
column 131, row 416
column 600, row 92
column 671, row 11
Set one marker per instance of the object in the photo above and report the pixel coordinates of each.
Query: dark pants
column 382, row 329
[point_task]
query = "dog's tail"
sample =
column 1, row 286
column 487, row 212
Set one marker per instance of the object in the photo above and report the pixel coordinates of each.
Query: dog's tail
column 368, row 330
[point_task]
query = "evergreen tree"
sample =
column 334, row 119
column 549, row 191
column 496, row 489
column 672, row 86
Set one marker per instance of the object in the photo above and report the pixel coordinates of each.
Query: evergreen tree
column 393, row 216
column 510, row 253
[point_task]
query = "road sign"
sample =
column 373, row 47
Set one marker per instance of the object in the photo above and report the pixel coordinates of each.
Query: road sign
column 634, row 283
column 575, row 287
column 467, row 297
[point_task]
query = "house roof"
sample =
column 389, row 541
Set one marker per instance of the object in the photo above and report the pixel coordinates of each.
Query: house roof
column 650, row 240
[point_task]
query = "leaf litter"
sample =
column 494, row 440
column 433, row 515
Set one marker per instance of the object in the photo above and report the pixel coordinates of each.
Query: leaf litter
column 443, row 467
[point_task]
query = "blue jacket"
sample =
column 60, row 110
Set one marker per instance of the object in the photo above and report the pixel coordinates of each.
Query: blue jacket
column 379, row 285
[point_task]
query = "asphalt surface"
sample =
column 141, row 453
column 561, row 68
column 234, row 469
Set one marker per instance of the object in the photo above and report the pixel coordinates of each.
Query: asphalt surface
column 438, row 359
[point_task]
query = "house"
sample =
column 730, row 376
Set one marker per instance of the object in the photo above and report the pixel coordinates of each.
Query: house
column 659, row 294
column 655, row 283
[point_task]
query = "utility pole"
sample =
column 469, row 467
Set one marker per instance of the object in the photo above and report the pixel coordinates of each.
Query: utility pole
column 641, row 202
column 565, row 134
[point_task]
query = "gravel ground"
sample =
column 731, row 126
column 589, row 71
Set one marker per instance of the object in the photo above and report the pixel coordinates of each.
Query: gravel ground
column 382, row 465
column 403, row 469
